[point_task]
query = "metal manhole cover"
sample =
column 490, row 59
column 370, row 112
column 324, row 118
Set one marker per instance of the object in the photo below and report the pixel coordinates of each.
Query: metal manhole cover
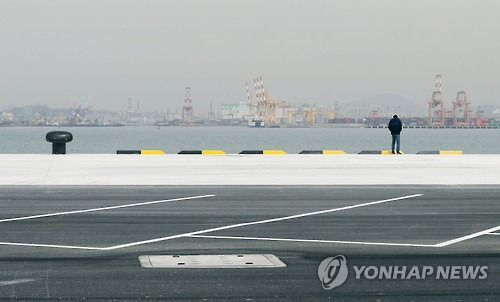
column 211, row 261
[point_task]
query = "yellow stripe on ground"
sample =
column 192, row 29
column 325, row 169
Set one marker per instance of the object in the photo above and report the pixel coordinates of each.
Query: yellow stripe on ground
column 333, row 152
column 273, row 152
column 450, row 152
column 212, row 152
column 152, row 152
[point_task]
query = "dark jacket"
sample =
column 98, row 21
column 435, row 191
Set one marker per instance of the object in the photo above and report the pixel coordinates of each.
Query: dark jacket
column 395, row 126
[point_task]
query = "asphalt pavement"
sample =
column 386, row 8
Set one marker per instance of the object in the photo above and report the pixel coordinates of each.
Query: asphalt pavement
column 83, row 242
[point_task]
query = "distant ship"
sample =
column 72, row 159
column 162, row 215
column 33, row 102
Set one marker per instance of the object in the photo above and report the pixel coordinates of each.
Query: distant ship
column 162, row 124
column 256, row 123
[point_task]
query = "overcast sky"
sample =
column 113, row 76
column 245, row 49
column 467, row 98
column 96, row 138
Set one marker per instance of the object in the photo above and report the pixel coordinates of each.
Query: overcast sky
column 102, row 52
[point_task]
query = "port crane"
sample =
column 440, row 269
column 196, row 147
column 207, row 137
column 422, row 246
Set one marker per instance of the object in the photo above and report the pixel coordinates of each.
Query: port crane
column 461, row 111
column 187, row 109
column 436, row 105
column 79, row 114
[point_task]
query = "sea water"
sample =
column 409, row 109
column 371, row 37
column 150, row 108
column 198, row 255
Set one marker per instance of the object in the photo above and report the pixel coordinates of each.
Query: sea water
column 235, row 139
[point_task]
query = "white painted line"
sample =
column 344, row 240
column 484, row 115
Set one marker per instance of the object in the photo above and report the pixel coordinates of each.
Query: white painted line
column 104, row 208
column 471, row 236
column 493, row 234
column 232, row 226
column 201, row 231
column 54, row 246
column 17, row 281
column 312, row 241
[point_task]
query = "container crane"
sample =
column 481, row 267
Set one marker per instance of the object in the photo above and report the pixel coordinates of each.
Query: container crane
column 436, row 105
column 461, row 110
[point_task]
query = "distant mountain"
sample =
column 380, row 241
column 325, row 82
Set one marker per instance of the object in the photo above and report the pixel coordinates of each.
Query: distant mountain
column 387, row 104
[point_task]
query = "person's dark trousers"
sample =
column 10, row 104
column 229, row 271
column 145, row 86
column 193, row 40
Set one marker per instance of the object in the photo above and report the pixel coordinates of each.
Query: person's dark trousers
column 396, row 140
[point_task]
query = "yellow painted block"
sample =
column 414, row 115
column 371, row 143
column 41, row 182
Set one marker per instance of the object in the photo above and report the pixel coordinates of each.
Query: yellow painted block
column 389, row 152
column 274, row 152
column 333, row 152
column 152, row 152
column 450, row 152
column 212, row 152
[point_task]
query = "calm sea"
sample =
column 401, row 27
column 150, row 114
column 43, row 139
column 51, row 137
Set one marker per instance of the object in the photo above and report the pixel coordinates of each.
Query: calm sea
column 235, row 139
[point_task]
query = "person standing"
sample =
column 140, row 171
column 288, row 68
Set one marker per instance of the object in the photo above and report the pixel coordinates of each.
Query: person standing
column 395, row 126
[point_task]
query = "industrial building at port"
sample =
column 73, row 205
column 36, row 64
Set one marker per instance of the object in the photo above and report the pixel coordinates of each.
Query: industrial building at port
column 272, row 112
column 262, row 109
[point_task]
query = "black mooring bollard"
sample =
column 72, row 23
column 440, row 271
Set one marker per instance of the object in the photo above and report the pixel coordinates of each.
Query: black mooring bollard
column 59, row 140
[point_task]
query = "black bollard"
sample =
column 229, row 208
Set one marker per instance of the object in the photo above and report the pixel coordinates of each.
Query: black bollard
column 59, row 140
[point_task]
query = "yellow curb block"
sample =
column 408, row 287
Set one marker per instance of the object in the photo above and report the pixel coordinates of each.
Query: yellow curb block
column 271, row 152
column 152, row 152
column 333, row 152
column 212, row 152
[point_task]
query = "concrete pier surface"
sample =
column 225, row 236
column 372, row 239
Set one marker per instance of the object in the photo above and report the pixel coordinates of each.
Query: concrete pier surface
column 73, row 227
column 290, row 169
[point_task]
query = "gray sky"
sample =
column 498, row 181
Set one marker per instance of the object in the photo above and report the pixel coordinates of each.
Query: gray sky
column 103, row 52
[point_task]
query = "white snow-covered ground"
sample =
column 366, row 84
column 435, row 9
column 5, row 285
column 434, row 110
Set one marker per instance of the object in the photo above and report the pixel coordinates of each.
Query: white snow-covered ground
column 292, row 169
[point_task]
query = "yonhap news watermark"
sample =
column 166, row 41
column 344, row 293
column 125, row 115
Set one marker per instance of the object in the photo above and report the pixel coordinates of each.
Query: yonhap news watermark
column 333, row 272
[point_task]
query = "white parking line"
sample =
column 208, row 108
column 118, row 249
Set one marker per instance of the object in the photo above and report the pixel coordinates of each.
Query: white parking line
column 471, row 236
column 198, row 234
column 312, row 241
column 191, row 234
column 232, row 226
column 54, row 246
column 17, row 281
column 104, row 208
